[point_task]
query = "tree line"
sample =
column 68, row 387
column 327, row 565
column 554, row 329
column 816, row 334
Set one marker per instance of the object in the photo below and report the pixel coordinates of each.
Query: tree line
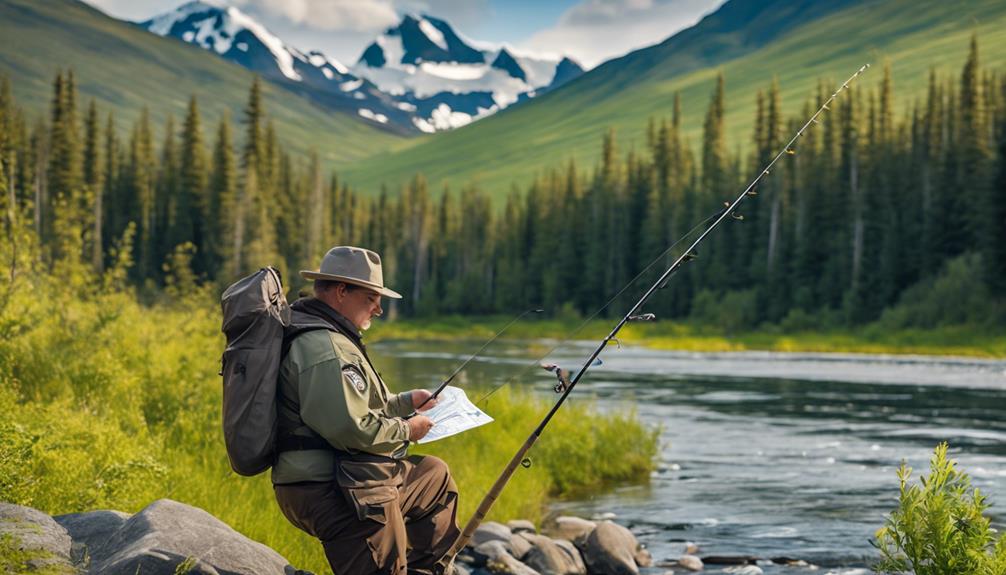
column 867, row 205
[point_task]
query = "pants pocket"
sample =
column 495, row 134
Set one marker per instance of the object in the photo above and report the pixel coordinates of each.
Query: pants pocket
column 370, row 486
column 371, row 502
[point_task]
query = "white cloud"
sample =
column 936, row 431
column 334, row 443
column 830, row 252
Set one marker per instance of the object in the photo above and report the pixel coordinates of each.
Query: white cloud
column 364, row 15
column 355, row 15
column 596, row 30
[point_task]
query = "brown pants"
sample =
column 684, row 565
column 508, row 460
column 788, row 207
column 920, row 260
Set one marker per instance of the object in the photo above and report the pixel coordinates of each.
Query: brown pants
column 380, row 516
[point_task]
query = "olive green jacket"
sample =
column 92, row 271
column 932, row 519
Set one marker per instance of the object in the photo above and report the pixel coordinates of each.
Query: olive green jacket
column 328, row 388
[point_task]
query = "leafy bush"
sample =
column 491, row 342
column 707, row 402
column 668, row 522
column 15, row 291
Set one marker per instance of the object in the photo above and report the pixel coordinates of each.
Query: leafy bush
column 939, row 527
column 732, row 311
column 957, row 295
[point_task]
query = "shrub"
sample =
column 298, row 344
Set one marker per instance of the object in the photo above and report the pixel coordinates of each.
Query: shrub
column 956, row 296
column 939, row 527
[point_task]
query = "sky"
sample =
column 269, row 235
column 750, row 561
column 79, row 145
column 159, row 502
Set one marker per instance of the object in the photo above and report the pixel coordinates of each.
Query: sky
column 590, row 31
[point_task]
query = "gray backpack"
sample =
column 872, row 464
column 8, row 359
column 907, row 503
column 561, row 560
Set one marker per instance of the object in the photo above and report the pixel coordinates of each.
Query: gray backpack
column 255, row 315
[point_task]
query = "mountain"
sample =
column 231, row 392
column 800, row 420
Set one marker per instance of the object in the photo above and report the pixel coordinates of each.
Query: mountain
column 798, row 42
column 418, row 76
column 126, row 69
column 235, row 36
column 451, row 81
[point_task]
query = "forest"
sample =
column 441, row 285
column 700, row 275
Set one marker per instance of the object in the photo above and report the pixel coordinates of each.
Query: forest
column 871, row 214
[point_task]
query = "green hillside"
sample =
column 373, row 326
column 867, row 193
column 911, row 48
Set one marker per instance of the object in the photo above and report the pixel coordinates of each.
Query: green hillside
column 126, row 68
column 749, row 41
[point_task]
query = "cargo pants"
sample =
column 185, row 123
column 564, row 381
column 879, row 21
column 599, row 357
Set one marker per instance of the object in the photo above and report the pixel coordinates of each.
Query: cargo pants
column 381, row 515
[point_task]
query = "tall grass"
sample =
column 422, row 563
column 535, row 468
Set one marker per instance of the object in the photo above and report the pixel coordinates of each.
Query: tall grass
column 108, row 403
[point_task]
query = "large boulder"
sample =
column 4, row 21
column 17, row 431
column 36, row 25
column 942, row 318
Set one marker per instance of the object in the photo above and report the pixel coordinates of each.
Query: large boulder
column 549, row 557
column 167, row 533
column 91, row 530
column 30, row 541
column 611, row 549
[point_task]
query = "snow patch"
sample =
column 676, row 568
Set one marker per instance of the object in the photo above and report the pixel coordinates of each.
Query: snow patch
column 444, row 118
column 351, row 85
column 453, row 70
column 431, row 31
column 405, row 106
column 423, row 125
column 243, row 46
column 188, row 36
column 370, row 115
column 359, row 96
column 328, row 73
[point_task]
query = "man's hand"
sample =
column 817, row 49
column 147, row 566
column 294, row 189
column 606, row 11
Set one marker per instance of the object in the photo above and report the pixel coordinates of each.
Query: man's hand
column 419, row 426
column 419, row 397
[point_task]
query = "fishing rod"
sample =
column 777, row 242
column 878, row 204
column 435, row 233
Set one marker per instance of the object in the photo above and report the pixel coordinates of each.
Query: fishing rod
column 461, row 367
column 687, row 255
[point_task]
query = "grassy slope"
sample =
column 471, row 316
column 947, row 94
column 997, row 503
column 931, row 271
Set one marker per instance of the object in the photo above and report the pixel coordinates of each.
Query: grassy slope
column 515, row 145
column 126, row 68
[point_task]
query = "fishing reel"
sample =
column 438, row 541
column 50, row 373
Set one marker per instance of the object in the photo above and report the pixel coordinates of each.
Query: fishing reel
column 561, row 374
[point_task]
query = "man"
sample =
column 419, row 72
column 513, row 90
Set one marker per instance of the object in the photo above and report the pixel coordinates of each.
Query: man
column 342, row 474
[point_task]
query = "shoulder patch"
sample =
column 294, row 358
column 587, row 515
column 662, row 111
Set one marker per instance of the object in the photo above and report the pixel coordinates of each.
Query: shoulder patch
column 354, row 377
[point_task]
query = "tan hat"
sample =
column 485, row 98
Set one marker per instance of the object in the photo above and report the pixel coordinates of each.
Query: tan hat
column 352, row 265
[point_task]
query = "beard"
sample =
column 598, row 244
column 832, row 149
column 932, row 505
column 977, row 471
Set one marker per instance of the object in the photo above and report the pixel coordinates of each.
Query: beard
column 366, row 325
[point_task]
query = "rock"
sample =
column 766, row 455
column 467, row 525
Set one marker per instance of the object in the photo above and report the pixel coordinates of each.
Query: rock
column 520, row 545
column 166, row 533
column 744, row 570
column 610, row 549
column 573, row 553
column 691, row 562
column 606, row 516
column 506, row 564
column 549, row 558
column 573, row 529
column 643, row 557
column 39, row 543
column 92, row 529
column 691, row 548
column 490, row 531
column 485, row 552
column 519, row 525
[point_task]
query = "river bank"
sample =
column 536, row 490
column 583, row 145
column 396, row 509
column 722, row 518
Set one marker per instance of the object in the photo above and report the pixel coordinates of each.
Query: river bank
column 965, row 341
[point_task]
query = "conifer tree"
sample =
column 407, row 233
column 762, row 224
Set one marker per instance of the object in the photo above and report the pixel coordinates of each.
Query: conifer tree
column 94, row 179
column 226, row 243
column 975, row 154
column 192, row 211
column 168, row 195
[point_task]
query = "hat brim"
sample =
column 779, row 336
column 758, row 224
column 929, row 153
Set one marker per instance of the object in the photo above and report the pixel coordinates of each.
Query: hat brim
column 313, row 275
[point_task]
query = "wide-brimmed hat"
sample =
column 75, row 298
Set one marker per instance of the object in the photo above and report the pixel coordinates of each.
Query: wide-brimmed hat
column 357, row 266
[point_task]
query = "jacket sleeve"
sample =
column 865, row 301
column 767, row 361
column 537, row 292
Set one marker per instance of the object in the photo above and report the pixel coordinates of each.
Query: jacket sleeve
column 400, row 405
column 335, row 408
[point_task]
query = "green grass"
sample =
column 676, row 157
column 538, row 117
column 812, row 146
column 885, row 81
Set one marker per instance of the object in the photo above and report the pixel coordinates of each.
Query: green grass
column 107, row 403
column 15, row 559
column 126, row 68
column 515, row 145
column 951, row 340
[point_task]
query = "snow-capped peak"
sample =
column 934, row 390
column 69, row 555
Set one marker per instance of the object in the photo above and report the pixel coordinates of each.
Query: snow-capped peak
column 221, row 28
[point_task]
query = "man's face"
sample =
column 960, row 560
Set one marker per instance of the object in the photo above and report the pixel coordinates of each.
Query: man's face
column 359, row 305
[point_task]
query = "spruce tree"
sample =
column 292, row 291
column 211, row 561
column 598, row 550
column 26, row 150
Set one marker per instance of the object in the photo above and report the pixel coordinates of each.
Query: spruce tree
column 94, row 179
column 224, row 241
column 192, row 206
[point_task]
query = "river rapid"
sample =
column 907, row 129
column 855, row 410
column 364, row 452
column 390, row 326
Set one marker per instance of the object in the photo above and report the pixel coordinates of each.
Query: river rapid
column 764, row 454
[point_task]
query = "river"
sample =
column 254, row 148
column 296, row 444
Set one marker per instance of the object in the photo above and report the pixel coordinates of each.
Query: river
column 767, row 454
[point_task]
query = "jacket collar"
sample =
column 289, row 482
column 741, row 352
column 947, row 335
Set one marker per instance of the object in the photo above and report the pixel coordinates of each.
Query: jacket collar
column 327, row 313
